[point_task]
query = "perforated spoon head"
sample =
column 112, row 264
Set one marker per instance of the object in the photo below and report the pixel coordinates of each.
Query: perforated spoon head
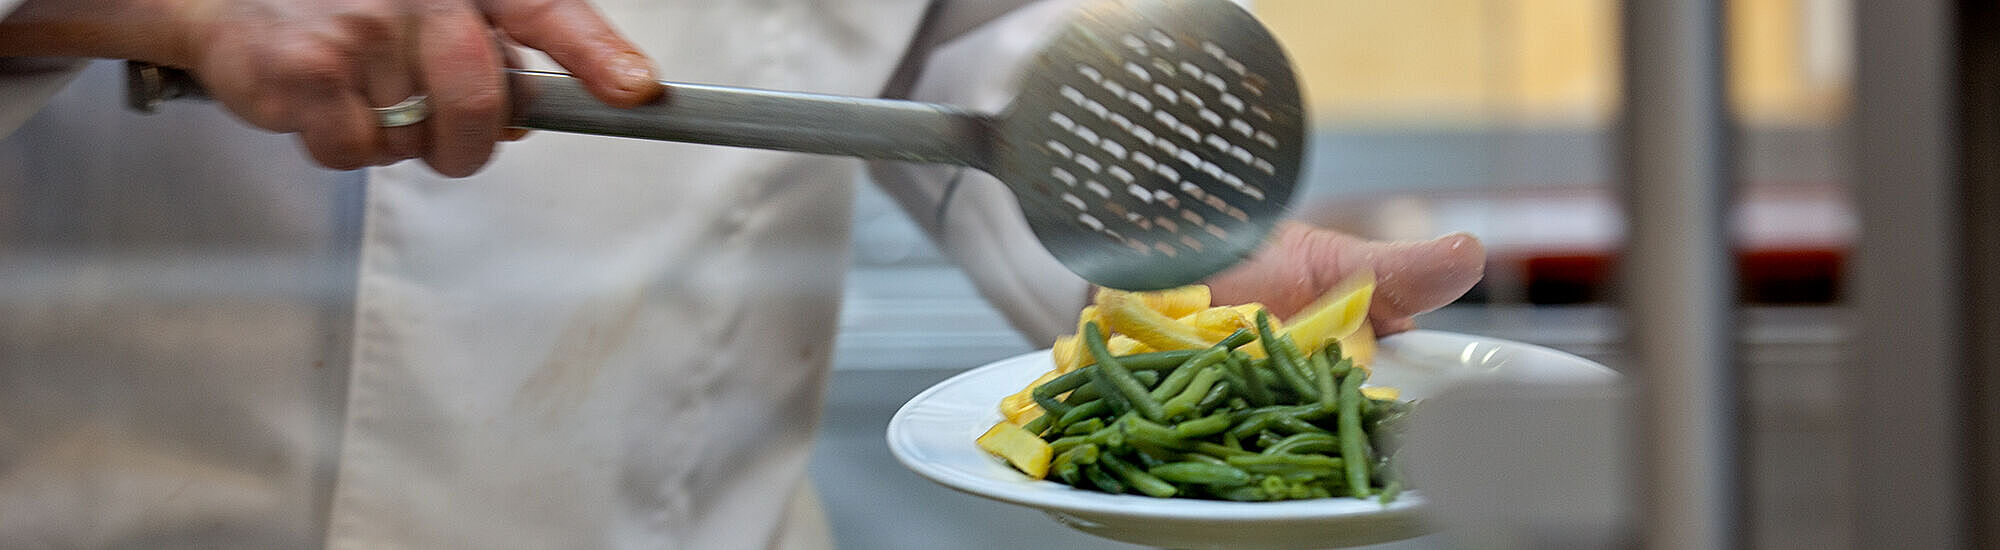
column 1154, row 142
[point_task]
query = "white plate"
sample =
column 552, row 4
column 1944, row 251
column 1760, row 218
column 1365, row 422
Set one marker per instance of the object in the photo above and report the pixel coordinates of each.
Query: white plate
column 933, row 435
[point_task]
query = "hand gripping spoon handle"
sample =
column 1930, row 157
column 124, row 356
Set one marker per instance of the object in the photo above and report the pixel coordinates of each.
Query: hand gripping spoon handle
column 1152, row 143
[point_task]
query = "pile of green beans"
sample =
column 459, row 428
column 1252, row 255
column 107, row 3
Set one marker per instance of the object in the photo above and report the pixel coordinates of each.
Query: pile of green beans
column 1216, row 423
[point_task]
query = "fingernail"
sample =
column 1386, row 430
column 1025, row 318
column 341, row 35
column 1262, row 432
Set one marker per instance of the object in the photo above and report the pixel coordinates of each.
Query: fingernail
column 635, row 73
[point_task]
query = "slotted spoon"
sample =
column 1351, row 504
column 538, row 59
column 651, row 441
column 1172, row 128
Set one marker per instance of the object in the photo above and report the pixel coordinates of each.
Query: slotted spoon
column 1153, row 142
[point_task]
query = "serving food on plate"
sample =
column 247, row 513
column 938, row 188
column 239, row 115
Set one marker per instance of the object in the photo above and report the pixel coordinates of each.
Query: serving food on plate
column 954, row 434
column 1165, row 395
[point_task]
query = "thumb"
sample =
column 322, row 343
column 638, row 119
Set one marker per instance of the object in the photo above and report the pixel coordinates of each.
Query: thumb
column 1415, row 277
column 577, row 37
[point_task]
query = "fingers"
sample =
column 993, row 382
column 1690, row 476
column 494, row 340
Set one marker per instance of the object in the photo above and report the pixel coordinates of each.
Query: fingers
column 317, row 68
column 338, row 132
column 385, row 34
column 468, row 93
column 579, row 39
column 1385, row 327
column 325, row 107
column 1415, row 277
column 1302, row 262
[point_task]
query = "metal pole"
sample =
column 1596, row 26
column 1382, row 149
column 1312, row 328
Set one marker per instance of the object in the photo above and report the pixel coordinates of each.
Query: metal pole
column 1677, row 273
column 1905, row 386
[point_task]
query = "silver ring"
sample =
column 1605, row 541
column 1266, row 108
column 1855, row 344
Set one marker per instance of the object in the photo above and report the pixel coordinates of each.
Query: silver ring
column 409, row 111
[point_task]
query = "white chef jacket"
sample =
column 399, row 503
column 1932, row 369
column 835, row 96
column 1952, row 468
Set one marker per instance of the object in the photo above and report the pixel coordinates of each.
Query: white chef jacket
column 595, row 342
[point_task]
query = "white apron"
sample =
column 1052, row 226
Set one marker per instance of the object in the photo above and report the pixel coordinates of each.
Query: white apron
column 603, row 342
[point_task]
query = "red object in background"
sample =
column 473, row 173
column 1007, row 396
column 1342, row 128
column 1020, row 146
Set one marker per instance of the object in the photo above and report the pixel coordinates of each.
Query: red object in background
column 1567, row 278
column 1770, row 276
column 1790, row 276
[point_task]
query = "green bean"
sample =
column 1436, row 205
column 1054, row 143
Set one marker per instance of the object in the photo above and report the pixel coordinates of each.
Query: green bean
column 1045, row 394
column 1275, row 350
column 1137, row 478
column 1327, row 385
column 1103, row 480
column 1065, row 464
column 1217, row 396
column 1303, row 412
column 1204, row 473
column 1114, row 404
column 1077, row 383
column 1087, row 453
column 1085, row 393
column 1268, row 376
column 1184, row 402
column 1087, row 425
column 1204, row 458
column 1241, row 337
column 1390, row 491
column 1203, row 427
column 1086, row 411
column 1180, row 376
column 1109, row 369
column 1066, row 472
column 1112, row 398
column 1251, row 386
column 1218, row 450
column 1293, row 425
column 1147, row 378
column 1353, row 442
column 1341, row 366
column 1157, row 360
column 1288, row 418
column 1316, row 465
column 1108, row 437
column 1111, row 437
column 1249, row 426
column 1039, row 424
column 1295, row 370
column 1304, row 443
column 1274, row 485
column 1151, row 433
column 1089, row 393
column 1068, row 464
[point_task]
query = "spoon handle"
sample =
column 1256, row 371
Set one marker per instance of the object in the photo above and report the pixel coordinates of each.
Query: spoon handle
column 761, row 119
column 695, row 113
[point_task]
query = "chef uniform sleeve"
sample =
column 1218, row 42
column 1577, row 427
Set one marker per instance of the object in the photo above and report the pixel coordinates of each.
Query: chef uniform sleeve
column 27, row 83
column 969, row 55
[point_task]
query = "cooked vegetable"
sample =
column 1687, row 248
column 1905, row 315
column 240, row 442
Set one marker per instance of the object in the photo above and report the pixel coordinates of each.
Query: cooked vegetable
column 1208, row 418
column 1354, row 442
column 1022, row 449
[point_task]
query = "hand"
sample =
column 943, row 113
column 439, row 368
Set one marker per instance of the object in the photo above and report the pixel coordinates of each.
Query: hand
column 315, row 67
column 1303, row 262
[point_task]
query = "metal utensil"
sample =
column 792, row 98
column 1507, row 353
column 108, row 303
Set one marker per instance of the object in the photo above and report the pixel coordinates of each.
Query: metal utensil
column 1153, row 142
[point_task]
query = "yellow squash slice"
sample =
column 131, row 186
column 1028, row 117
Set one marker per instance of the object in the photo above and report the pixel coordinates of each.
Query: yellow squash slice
column 1027, row 453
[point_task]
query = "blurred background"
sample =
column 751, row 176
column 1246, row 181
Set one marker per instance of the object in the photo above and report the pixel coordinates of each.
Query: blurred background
column 1499, row 118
